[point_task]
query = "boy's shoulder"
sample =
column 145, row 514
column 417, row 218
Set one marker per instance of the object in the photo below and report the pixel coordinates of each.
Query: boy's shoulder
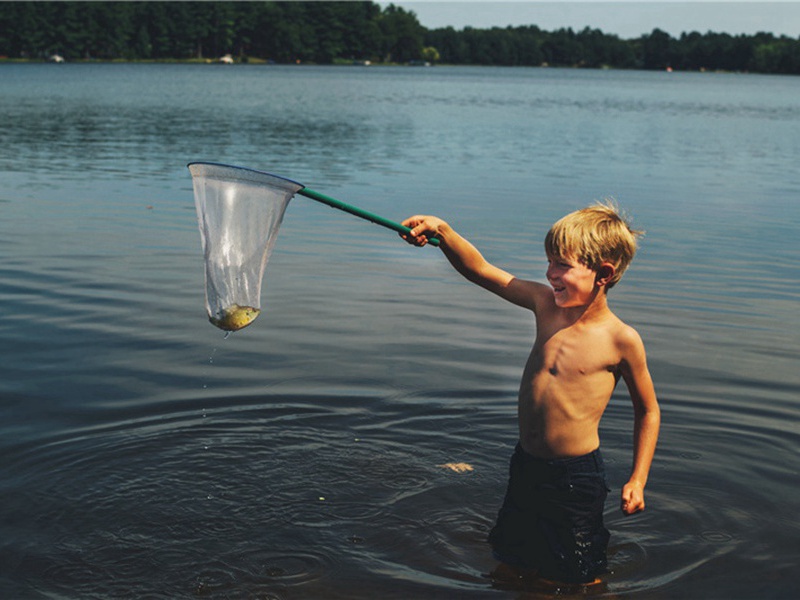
column 620, row 327
column 626, row 337
column 623, row 335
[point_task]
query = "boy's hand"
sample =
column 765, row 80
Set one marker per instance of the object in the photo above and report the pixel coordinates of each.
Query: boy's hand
column 632, row 498
column 423, row 228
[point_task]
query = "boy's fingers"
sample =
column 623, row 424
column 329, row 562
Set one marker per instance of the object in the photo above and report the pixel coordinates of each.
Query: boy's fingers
column 412, row 221
column 632, row 506
column 631, row 501
column 415, row 239
column 421, row 229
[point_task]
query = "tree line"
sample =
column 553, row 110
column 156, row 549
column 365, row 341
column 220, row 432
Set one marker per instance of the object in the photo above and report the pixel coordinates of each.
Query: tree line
column 591, row 48
column 328, row 32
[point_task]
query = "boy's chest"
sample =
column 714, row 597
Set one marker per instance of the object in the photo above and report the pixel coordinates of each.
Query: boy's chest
column 574, row 353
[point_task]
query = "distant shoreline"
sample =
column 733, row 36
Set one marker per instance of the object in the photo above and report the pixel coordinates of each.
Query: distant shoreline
column 260, row 62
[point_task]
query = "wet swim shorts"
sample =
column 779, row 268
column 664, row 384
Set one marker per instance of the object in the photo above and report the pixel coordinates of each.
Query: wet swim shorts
column 552, row 517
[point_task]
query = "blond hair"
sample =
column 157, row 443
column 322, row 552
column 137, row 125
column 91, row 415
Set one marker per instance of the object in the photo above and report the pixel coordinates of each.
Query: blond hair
column 594, row 235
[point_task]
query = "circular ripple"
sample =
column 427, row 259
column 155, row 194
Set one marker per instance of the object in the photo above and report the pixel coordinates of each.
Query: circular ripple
column 716, row 537
column 691, row 455
column 214, row 580
column 259, row 573
column 287, row 569
column 405, row 481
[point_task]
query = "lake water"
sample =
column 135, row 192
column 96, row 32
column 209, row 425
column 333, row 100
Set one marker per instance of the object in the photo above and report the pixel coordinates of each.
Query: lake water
column 143, row 455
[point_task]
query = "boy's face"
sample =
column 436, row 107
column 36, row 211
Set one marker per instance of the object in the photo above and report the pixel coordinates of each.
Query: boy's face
column 573, row 283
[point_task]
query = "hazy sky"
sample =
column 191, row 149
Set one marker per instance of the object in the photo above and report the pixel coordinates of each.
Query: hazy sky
column 626, row 18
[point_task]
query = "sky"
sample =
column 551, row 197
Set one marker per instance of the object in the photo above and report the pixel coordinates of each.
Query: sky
column 626, row 18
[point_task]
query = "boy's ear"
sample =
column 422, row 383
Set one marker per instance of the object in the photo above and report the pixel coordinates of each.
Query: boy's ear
column 605, row 273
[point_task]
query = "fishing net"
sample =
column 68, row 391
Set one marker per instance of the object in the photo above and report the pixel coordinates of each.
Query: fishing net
column 239, row 212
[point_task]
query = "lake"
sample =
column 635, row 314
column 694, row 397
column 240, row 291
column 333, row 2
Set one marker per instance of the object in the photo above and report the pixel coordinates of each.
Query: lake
column 145, row 455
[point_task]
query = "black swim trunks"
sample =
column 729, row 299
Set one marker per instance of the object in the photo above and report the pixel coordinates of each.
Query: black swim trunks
column 552, row 517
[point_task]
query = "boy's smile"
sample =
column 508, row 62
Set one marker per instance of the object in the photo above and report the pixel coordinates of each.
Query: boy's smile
column 573, row 283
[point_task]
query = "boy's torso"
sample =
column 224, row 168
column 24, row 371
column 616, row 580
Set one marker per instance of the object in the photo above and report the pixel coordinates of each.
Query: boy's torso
column 568, row 380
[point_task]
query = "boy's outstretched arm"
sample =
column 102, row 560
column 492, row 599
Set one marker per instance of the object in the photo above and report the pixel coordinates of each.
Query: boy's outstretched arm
column 467, row 260
column 647, row 421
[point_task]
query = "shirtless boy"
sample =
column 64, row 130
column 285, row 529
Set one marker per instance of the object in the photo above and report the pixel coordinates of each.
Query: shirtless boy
column 551, row 520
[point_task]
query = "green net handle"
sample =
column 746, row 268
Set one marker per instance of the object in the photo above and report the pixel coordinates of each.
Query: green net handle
column 359, row 212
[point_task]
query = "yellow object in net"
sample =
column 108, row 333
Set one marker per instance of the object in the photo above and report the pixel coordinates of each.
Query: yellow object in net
column 234, row 317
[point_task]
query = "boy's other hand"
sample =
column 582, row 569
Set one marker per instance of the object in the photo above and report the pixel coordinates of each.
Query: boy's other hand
column 632, row 498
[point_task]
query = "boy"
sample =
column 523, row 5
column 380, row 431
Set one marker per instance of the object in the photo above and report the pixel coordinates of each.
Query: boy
column 551, row 520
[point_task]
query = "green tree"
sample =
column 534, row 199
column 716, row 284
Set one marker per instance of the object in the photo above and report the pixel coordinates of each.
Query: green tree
column 361, row 34
column 780, row 55
column 430, row 54
column 450, row 43
column 529, row 45
column 402, row 35
column 562, row 48
column 657, row 50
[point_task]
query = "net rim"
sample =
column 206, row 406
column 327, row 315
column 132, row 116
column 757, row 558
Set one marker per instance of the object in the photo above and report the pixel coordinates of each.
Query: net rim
column 247, row 170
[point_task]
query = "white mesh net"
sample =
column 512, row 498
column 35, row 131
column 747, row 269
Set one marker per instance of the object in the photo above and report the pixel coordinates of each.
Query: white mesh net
column 239, row 212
